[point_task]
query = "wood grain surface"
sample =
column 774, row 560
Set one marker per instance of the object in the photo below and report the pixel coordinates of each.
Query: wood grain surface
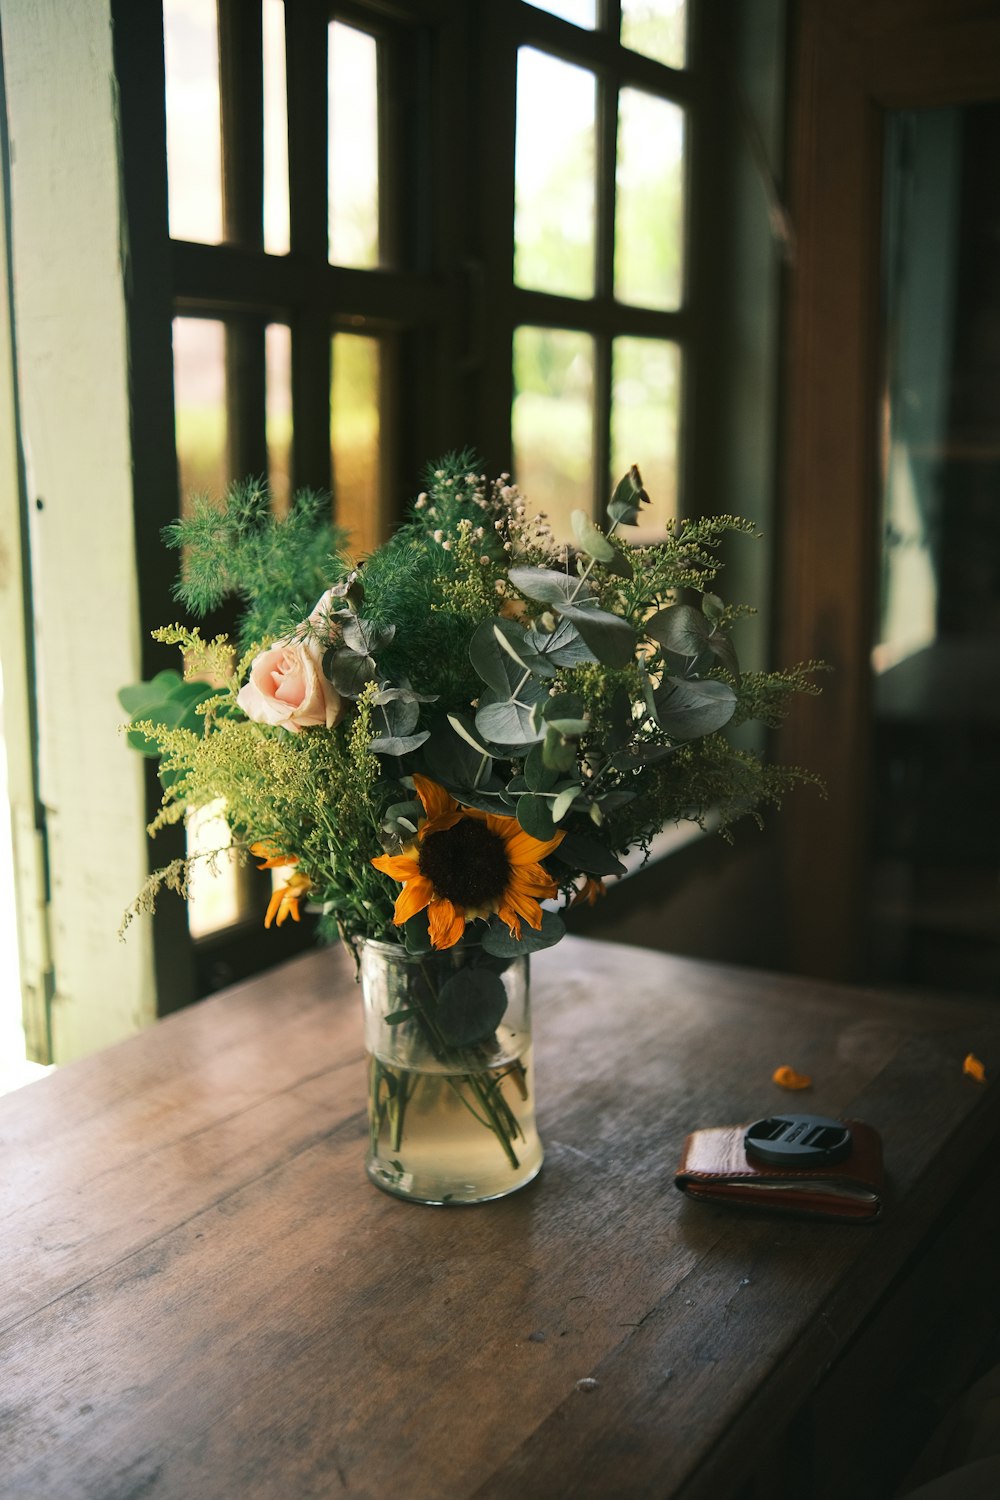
column 204, row 1298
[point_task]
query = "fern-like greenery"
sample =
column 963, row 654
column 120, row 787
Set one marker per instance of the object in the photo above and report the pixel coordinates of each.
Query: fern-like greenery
column 277, row 567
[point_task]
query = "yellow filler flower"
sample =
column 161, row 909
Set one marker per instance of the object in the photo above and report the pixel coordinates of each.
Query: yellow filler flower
column 464, row 864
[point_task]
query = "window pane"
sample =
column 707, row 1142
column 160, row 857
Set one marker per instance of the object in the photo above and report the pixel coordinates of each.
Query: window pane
column 276, row 240
column 200, row 406
column 213, row 895
column 354, row 438
column 580, row 12
column 194, row 135
column 553, row 421
column 278, row 362
column 353, row 184
column 554, row 176
column 645, row 388
column 649, row 208
column 657, row 29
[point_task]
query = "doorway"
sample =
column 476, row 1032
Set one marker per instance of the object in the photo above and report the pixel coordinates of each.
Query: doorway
column 891, row 506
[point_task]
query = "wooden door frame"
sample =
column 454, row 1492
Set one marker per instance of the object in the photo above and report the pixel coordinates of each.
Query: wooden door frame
column 850, row 61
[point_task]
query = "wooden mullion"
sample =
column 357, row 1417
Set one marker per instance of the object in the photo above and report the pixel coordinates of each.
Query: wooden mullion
column 246, row 397
column 606, row 129
column 598, row 49
column 306, row 26
column 241, row 93
column 139, row 71
column 598, row 315
column 496, row 60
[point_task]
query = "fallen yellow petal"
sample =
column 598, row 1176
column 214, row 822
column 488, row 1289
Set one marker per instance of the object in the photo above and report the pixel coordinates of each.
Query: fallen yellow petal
column 974, row 1068
column 787, row 1078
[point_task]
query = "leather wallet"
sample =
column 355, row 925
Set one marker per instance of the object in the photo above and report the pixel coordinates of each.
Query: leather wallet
column 715, row 1167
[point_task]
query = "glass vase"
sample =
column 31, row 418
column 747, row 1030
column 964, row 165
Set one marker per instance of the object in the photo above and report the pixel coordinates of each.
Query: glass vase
column 450, row 1081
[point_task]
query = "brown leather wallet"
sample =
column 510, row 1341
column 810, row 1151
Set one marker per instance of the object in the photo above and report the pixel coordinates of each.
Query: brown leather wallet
column 715, row 1166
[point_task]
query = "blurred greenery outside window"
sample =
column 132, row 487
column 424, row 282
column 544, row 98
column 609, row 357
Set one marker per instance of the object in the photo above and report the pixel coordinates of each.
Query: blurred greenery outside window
column 600, row 227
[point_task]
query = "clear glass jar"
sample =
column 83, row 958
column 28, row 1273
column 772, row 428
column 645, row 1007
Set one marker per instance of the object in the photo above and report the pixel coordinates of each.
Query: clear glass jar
column 450, row 1078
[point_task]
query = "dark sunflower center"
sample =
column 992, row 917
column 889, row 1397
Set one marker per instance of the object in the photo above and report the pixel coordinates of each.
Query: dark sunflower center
column 466, row 864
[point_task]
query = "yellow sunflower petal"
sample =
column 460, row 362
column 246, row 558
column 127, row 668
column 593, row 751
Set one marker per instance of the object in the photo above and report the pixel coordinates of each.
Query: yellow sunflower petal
column 509, row 915
column 446, row 923
column 437, row 802
column 415, row 895
column 398, row 866
column 523, row 849
column 532, row 880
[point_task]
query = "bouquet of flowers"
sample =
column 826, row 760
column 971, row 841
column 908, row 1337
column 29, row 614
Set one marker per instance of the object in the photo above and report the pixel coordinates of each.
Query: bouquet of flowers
column 442, row 743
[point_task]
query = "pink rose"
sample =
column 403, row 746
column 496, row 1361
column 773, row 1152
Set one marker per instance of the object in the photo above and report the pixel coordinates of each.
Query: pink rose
column 286, row 686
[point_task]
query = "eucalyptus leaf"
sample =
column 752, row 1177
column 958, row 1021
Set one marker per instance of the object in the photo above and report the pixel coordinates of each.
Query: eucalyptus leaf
column 489, row 797
column 558, row 753
column 402, row 693
column 398, row 744
column 417, row 933
column 721, row 646
column 499, row 940
column 687, row 709
column 626, row 499
column 453, row 755
column 549, row 587
column 349, row 672
column 619, row 565
column 680, row 628
column 562, row 804
column 564, row 646
column 139, row 696
column 538, row 777
column 581, row 851
column 400, row 716
column 469, row 1006
column 642, row 755
column 510, row 722
column 571, row 728
column 535, row 816
column 612, row 639
column 401, row 819
column 712, row 608
column 461, row 726
column 590, row 538
column 365, row 637
column 564, row 706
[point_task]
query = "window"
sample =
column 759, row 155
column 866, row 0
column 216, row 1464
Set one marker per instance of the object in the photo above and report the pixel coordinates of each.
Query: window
column 374, row 231
column 600, row 295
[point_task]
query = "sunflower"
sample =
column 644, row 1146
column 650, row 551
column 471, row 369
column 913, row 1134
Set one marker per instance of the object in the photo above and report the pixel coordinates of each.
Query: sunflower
column 464, row 864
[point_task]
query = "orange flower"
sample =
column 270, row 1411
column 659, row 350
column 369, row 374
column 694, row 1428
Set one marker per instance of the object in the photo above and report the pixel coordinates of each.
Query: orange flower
column 787, row 1078
column 272, row 857
column 974, row 1068
column 589, row 892
column 285, row 900
column 465, row 864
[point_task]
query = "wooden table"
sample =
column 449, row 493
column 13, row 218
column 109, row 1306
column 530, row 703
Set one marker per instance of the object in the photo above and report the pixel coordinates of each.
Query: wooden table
column 204, row 1298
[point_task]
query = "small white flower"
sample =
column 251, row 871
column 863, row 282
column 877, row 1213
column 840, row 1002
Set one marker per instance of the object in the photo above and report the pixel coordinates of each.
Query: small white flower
column 447, row 545
column 421, row 500
column 439, row 536
column 438, row 473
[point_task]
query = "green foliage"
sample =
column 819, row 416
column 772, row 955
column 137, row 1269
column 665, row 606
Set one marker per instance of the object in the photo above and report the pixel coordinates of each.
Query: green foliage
column 582, row 693
column 276, row 566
